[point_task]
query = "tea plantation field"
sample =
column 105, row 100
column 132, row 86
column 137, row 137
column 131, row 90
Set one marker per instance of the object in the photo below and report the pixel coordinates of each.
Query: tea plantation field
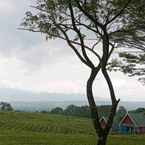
column 44, row 129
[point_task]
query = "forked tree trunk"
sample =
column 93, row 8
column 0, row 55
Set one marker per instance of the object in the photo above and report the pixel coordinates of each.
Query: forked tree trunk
column 102, row 139
column 100, row 132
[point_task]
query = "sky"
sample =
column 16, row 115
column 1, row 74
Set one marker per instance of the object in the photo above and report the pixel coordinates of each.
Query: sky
column 30, row 63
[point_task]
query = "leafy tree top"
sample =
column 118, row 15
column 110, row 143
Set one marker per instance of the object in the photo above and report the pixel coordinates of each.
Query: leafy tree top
column 89, row 20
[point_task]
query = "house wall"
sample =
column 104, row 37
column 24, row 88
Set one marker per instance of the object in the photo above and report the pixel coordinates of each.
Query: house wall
column 127, row 126
column 127, row 121
column 140, row 130
column 126, row 129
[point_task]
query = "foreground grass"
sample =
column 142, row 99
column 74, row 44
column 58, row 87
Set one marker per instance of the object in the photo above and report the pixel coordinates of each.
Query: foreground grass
column 44, row 129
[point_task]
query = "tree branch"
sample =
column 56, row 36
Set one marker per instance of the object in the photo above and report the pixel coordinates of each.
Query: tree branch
column 80, row 36
column 111, row 51
column 72, row 46
column 96, row 23
column 121, row 11
column 93, row 107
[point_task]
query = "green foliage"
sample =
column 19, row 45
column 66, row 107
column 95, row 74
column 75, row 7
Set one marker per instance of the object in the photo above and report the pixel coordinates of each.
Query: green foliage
column 52, row 17
column 5, row 106
column 123, row 20
column 129, row 63
column 57, row 110
column 122, row 110
column 139, row 110
column 73, row 110
column 41, row 129
column 132, row 60
column 81, row 111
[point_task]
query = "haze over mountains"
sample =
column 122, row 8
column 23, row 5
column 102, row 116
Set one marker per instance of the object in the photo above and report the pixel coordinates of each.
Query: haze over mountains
column 29, row 101
column 48, row 105
column 10, row 94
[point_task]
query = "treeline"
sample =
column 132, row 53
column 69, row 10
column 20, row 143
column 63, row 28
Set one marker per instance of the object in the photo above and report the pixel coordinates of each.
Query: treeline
column 72, row 110
column 80, row 111
column 4, row 106
column 84, row 111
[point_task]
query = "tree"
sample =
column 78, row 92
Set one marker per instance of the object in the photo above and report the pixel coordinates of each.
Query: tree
column 78, row 22
column 57, row 110
column 5, row 106
column 131, row 63
column 72, row 110
column 140, row 110
column 121, row 112
column 132, row 60
column 80, row 111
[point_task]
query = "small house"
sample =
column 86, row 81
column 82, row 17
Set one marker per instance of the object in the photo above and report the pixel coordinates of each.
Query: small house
column 124, row 122
column 132, row 123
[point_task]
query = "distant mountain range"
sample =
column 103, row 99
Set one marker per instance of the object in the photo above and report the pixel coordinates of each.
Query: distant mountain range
column 40, row 106
column 29, row 101
column 11, row 94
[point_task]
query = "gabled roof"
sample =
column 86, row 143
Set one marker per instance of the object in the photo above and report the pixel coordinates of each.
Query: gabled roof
column 130, row 117
column 139, row 118
column 119, row 117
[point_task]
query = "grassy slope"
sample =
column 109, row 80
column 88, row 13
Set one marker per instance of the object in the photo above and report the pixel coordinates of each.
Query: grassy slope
column 43, row 129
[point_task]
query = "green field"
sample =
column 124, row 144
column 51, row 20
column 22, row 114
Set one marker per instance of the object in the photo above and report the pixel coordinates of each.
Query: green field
column 44, row 129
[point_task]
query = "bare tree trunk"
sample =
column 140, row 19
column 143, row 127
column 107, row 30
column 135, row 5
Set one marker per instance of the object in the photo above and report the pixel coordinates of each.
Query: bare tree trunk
column 102, row 133
column 102, row 140
column 102, row 136
column 92, row 104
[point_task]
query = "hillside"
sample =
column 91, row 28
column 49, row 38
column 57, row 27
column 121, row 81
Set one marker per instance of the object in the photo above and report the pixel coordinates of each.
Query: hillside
column 43, row 129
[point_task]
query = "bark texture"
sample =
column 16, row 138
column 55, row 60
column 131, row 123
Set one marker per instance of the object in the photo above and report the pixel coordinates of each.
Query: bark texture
column 102, row 140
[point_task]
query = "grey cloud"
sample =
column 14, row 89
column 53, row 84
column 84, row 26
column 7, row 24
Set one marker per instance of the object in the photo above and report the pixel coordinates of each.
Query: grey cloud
column 26, row 46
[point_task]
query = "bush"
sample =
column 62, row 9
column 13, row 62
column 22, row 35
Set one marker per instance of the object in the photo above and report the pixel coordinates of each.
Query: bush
column 5, row 106
column 57, row 110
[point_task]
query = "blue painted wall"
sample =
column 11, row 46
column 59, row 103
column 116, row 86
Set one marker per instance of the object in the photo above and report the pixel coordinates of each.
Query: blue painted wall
column 126, row 129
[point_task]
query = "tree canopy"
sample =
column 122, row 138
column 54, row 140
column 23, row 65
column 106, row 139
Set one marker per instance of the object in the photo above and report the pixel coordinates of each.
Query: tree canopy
column 132, row 59
column 71, row 20
column 5, row 106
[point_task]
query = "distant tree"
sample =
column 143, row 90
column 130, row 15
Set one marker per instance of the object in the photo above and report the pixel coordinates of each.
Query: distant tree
column 57, row 110
column 80, row 111
column 5, row 106
column 140, row 110
column 44, row 112
column 85, row 111
column 72, row 110
column 121, row 112
column 84, row 25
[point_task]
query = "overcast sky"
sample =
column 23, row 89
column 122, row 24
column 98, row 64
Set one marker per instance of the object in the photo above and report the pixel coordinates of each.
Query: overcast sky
column 28, row 62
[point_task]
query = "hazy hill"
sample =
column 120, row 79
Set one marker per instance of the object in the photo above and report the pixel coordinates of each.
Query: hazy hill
column 48, row 105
